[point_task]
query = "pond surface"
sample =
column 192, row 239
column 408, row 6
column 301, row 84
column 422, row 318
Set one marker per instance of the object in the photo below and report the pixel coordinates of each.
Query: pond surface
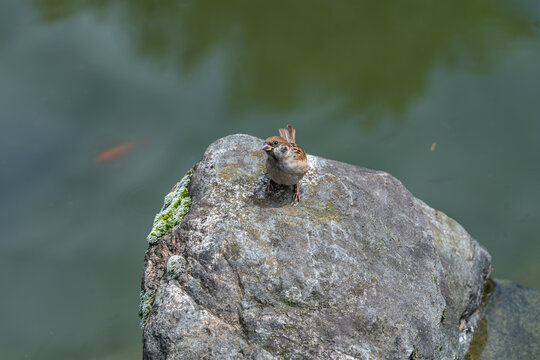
column 105, row 104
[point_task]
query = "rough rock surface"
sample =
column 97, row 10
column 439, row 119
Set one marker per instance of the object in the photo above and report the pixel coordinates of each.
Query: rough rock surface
column 359, row 269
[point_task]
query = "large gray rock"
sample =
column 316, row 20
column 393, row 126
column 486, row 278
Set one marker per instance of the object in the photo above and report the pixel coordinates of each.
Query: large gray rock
column 359, row 269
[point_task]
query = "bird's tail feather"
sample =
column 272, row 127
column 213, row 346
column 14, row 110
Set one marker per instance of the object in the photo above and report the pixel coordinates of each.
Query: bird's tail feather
column 288, row 133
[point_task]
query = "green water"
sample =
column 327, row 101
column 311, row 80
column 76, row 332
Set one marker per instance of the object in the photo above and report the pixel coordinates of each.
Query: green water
column 370, row 83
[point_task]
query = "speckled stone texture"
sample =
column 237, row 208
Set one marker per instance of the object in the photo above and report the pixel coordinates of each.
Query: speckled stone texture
column 359, row 269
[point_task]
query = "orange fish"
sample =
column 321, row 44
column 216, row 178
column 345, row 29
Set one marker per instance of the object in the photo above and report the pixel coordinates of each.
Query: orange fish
column 114, row 152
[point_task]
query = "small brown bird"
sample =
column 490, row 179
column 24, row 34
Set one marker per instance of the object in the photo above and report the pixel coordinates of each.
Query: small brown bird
column 286, row 163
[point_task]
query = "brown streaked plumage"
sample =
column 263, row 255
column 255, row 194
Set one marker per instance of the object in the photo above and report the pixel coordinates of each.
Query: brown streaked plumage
column 287, row 162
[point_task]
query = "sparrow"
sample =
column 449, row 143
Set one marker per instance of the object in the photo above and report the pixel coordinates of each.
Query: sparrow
column 286, row 162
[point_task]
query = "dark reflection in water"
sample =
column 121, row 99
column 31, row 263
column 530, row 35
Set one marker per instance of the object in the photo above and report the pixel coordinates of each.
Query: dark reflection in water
column 373, row 56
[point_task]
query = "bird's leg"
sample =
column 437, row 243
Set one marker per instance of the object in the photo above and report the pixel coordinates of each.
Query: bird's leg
column 269, row 186
column 296, row 193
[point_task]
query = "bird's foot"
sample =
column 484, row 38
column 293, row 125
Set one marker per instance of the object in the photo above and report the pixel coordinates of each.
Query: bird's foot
column 296, row 194
column 269, row 186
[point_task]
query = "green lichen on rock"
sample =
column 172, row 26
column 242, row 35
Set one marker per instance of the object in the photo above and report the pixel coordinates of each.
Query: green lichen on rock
column 443, row 316
column 175, row 207
column 328, row 213
column 293, row 296
column 176, row 265
column 147, row 299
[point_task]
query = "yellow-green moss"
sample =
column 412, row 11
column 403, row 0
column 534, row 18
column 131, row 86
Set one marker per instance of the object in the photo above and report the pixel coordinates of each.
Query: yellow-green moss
column 478, row 342
column 175, row 207
column 329, row 212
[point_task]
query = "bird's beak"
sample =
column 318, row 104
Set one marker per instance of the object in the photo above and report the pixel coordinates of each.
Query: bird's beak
column 267, row 147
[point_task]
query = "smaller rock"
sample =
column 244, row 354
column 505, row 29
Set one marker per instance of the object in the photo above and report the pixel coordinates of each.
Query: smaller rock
column 510, row 324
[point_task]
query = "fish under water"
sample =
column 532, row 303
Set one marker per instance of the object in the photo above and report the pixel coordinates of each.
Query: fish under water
column 114, row 151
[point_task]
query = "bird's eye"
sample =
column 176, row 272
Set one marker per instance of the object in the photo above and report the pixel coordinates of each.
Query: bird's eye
column 275, row 143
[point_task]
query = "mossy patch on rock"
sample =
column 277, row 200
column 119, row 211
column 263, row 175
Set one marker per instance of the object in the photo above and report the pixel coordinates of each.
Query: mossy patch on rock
column 176, row 265
column 328, row 213
column 175, row 207
column 293, row 296
column 443, row 316
column 147, row 299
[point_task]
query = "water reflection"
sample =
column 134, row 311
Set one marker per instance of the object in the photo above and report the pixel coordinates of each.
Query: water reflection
column 73, row 91
column 371, row 56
